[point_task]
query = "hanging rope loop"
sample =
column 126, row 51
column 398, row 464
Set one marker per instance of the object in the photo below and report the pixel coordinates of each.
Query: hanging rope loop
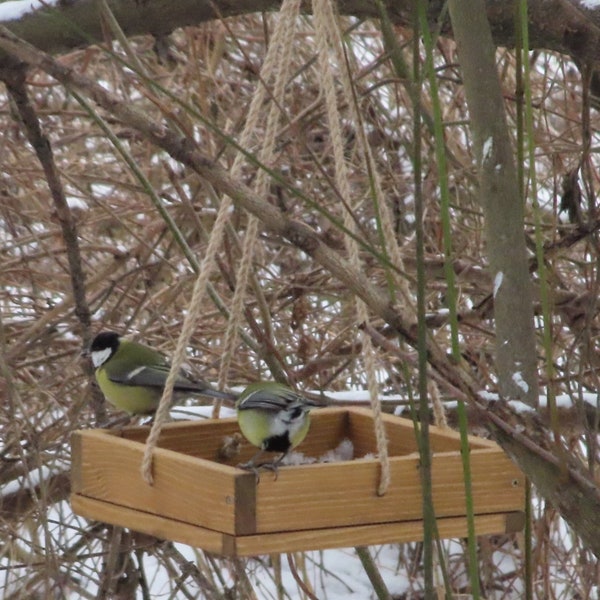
column 276, row 67
column 328, row 37
column 189, row 324
column 278, row 54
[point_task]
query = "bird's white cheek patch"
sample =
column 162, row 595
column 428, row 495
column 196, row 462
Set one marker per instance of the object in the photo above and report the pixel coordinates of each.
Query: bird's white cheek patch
column 286, row 420
column 99, row 357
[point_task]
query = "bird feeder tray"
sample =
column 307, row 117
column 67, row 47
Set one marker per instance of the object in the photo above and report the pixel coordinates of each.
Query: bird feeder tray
column 205, row 501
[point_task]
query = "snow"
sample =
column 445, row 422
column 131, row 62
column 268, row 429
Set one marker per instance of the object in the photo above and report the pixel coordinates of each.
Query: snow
column 520, row 407
column 15, row 9
column 100, row 190
column 566, row 400
column 75, row 203
column 591, row 4
column 345, row 396
column 563, row 401
column 333, row 574
column 199, row 412
column 520, row 382
column 359, row 396
column 487, row 149
column 344, row 451
column 498, row 282
column 442, row 312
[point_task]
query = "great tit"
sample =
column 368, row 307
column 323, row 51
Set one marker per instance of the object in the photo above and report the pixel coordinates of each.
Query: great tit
column 273, row 418
column 132, row 376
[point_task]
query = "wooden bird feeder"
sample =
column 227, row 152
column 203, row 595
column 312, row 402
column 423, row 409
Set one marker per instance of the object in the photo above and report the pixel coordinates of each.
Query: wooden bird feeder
column 203, row 501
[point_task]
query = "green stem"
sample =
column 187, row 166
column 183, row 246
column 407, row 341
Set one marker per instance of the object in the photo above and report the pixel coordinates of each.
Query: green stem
column 423, row 438
column 440, row 153
column 465, row 452
column 523, row 89
column 373, row 573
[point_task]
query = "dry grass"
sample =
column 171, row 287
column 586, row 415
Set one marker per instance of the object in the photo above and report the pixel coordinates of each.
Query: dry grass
column 138, row 280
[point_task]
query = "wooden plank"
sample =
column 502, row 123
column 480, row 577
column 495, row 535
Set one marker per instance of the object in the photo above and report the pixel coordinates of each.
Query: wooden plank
column 204, row 439
column 401, row 435
column 185, row 488
column 368, row 535
column 328, row 427
column 158, row 526
column 401, row 438
column 244, row 501
column 344, row 494
column 339, row 537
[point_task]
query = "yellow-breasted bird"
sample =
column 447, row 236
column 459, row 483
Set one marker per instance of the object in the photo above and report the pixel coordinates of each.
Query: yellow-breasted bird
column 274, row 418
column 132, row 376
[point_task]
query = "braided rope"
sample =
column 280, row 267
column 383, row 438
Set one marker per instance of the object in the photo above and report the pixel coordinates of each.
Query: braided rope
column 325, row 16
column 439, row 410
column 278, row 48
column 204, row 273
column 277, row 66
column 206, row 268
column 389, row 235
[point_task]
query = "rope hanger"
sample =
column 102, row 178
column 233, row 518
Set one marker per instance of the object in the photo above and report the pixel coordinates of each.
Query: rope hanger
column 277, row 61
column 328, row 34
column 276, row 68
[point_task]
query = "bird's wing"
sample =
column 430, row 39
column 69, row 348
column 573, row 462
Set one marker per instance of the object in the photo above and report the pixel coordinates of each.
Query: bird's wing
column 147, row 376
column 274, row 400
column 155, row 376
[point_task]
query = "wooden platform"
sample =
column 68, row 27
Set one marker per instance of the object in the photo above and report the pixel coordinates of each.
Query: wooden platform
column 199, row 500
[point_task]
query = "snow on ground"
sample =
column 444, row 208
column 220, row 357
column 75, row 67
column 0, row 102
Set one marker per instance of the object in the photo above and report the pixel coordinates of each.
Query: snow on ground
column 332, row 574
column 15, row 9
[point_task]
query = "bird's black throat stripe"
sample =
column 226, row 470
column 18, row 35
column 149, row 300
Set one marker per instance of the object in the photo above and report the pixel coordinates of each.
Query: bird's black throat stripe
column 277, row 443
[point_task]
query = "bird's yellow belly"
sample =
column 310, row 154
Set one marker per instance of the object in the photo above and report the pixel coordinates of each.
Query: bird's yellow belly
column 257, row 426
column 131, row 399
column 297, row 435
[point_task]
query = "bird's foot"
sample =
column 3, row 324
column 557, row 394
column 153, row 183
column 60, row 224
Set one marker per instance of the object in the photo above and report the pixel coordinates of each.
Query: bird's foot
column 272, row 466
column 117, row 424
column 251, row 466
